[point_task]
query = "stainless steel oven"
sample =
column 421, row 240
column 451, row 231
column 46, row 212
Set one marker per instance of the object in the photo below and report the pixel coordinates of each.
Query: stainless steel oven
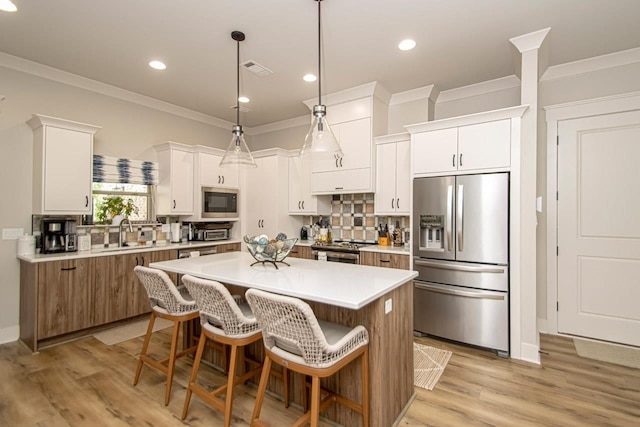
column 219, row 202
column 345, row 252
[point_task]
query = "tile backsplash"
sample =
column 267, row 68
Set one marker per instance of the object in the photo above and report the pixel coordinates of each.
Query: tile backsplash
column 352, row 218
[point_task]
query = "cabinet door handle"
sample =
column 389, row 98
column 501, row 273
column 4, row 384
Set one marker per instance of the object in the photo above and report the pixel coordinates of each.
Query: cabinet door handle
column 460, row 161
column 223, row 179
column 218, row 179
column 86, row 201
column 385, row 260
column 339, row 188
column 340, row 161
column 303, row 204
column 143, row 261
column 298, row 204
column 453, row 161
column 391, row 203
column 337, row 161
column 174, row 204
column 68, row 268
column 397, row 203
column 137, row 263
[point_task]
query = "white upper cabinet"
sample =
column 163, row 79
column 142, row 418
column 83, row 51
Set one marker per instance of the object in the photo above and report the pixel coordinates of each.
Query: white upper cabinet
column 474, row 143
column 264, row 196
column 212, row 175
column 301, row 202
column 174, row 195
column 355, row 116
column 392, row 175
column 62, row 166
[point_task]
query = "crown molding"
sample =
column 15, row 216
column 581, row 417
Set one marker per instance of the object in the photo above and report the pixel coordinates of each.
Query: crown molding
column 485, row 116
column 54, row 74
column 418, row 94
column 281, row 125
column 368, row 89
column 503, row 83
column 589, row 65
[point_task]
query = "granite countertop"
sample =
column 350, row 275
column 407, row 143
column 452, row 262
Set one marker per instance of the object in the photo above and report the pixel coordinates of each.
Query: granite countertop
column 351, row 286
column 119, row 251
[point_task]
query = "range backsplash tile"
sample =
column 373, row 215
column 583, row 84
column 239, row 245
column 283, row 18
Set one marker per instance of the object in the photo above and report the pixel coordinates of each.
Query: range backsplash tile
column 352, row 218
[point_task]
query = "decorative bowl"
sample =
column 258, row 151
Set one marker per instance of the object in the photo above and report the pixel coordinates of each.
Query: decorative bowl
column 272, row 251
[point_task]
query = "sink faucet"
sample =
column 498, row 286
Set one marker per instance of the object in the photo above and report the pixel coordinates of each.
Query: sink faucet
column 120, row 244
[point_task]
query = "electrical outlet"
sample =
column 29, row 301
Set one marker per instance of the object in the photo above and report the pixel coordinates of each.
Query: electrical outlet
column 12, row 233
column 388, row 306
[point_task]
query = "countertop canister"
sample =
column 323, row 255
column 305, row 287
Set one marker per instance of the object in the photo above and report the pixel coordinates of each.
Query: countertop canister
column 26, row 245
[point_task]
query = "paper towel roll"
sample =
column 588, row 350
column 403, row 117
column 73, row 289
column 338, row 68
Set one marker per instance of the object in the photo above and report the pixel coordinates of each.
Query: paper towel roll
column 26, row 245
column 176, row 232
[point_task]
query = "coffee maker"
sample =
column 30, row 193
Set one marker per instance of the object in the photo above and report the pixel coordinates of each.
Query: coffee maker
column 58, row 235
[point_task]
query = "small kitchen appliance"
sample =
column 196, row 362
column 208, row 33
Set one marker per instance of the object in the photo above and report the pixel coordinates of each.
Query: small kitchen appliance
column 58, row 235
column 219, row 202
column 304, row 234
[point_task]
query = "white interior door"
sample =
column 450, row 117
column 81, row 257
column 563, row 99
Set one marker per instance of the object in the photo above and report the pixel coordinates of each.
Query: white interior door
column 599, row 227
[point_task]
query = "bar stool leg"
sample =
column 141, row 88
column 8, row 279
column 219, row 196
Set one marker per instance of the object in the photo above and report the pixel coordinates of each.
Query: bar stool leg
column 194, row 373
column 145, row 345
column 365, row 387
column 315, row 401
column 264, row 379
column 172, row 360
column 285, row 380
column 231, row 376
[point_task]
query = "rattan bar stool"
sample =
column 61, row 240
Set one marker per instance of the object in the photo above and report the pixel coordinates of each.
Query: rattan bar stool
column 294, row 338
column 225, row 321
column 167, row 302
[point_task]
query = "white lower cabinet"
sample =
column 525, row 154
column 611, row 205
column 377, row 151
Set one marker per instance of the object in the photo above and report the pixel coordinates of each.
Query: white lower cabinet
column 62, row 166
column 392, row 175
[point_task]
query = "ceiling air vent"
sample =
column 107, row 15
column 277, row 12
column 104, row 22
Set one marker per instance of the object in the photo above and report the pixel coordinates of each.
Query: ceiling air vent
column 256, row 68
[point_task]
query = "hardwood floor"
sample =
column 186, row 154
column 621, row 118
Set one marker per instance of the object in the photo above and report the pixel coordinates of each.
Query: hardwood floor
column 86, row 383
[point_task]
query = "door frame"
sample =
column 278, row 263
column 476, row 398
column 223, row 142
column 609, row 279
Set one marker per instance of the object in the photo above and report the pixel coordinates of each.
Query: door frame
column 554, row 114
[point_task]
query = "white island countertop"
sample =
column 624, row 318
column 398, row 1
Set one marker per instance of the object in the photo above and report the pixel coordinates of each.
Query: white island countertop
column 343, row 285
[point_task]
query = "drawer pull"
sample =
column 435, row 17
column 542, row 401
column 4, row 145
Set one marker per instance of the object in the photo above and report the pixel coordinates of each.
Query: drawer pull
column 68, row 268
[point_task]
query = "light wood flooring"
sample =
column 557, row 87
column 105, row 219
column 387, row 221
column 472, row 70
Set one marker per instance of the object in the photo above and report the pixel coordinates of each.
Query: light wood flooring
column 86, row 383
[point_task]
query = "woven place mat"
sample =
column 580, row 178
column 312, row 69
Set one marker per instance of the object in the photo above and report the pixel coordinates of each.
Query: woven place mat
column 428, row 365
column 130, row 330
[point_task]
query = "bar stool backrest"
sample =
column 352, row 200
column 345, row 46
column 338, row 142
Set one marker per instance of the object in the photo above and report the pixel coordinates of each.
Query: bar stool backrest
column 289, row 324
column 218, row 307
column 164, row 296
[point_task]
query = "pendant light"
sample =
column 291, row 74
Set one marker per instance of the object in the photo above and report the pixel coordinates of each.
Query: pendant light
column 237, row 151
column 320, row 138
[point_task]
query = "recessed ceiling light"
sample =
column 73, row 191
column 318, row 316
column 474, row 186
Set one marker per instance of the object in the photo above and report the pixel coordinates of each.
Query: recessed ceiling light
column 310, row 78
column 7, row 6
column 407, row 44
column 158, row 65
column 243, row 99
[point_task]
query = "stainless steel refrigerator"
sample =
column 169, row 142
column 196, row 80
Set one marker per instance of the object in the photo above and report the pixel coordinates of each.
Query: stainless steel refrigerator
column 461, row 253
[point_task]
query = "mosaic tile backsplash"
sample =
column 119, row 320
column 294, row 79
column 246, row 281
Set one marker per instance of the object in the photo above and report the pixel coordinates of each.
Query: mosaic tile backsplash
column 352, row 218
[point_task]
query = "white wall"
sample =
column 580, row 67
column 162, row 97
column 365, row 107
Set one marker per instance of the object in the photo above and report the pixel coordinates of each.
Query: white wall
column 128, row 130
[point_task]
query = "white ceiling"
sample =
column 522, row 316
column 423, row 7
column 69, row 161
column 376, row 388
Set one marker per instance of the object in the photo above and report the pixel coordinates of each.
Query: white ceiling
column 459, row 42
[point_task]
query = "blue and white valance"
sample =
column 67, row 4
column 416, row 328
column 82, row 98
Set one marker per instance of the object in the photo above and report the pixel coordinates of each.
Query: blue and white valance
column 124, row 171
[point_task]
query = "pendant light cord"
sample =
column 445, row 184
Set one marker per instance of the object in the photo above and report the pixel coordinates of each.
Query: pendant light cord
column 319, row 58
column 238, row 83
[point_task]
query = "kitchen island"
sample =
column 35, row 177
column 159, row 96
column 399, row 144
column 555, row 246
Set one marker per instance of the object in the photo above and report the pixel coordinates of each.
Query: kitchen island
column 342, row 293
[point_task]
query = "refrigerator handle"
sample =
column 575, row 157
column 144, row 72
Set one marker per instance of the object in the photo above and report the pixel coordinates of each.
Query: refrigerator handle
column 449, row 220
column 458, row 292
column 459, row 219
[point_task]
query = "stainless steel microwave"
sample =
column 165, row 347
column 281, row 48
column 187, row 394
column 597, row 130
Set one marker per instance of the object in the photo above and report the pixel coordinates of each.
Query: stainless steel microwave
column 219, row 202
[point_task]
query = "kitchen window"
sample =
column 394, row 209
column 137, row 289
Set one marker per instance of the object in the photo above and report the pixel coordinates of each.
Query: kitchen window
column 140, row 194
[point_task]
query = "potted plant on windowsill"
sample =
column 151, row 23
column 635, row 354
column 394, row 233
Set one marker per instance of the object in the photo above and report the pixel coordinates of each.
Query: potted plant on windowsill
column 113, row 209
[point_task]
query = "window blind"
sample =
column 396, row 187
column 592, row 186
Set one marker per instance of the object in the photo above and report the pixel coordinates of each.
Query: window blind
column 124, row 171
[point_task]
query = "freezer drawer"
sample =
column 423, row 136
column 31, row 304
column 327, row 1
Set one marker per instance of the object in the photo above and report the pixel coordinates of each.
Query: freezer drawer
column 481, row 276
column 470, row 316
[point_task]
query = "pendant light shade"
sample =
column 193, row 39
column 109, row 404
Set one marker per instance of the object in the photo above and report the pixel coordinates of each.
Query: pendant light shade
column 320, row 138
column 237, row 151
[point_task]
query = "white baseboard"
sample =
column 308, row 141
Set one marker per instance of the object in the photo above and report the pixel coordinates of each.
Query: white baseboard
column 530, row 353
column 10, row 334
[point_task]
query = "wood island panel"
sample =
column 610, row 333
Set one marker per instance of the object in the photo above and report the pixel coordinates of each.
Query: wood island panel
column 301, row 252
column 378, row 259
